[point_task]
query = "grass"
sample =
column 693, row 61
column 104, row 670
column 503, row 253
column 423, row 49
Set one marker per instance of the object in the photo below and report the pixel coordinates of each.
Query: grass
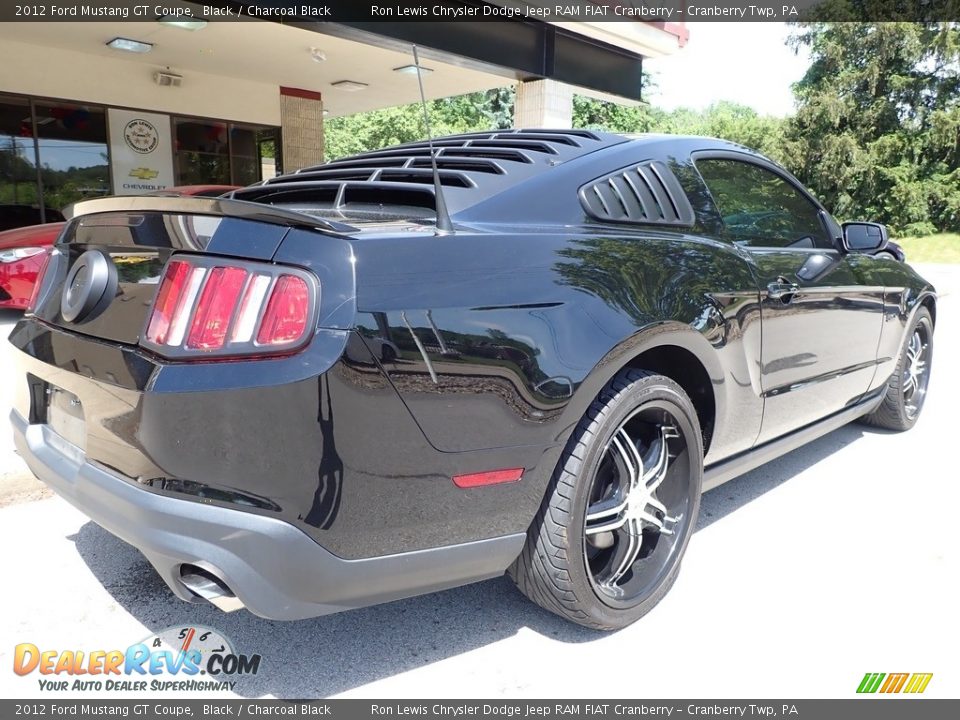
column 942, row 248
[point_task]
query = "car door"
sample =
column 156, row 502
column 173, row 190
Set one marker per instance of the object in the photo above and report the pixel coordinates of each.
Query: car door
column 820, row 324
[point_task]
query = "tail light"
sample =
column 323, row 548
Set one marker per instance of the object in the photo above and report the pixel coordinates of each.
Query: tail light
column 38, row 285
column 21, row 253
column 209, row 307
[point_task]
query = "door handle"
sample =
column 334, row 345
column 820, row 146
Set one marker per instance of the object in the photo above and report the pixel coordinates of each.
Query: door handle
column 782, row 289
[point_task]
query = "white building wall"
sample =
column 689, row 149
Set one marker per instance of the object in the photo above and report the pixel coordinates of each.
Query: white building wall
column 543, row 104
column 71, row 75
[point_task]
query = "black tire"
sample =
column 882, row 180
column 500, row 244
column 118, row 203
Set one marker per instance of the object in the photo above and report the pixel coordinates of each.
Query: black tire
column 557, row 568
column 904, row 398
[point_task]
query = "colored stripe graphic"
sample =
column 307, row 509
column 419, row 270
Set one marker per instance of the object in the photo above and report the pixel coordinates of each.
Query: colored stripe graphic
column 870, row 682
column 918, row 682
column 894, row 682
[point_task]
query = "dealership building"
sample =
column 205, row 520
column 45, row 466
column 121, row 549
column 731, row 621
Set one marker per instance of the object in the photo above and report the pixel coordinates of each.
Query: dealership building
column 120, row 107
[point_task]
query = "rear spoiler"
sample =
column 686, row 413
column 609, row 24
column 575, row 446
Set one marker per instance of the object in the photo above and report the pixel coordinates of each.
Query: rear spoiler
column 223, row 207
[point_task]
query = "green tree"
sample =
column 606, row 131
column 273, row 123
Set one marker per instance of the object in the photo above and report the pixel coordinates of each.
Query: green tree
column 877, row 130
column 612, row 117
column 728, row 121
column 487, row 110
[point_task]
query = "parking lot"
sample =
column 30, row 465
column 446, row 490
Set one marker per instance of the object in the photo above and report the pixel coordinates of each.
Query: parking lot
column 838, row 559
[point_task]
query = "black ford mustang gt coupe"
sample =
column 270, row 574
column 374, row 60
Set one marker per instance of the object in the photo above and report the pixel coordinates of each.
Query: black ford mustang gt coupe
column 317, row 394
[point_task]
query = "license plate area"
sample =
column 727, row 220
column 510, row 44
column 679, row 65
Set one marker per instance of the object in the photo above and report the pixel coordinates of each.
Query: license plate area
column 64, row 415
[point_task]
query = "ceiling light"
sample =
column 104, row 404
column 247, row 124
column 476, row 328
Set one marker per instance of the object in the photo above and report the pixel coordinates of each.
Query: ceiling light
column 178, row 21
column 317, row 55
column 134, row 46
column 412, row 69
column 349, row 85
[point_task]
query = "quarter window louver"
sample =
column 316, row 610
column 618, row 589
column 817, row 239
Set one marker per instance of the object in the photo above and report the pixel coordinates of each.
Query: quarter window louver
column 647, row 193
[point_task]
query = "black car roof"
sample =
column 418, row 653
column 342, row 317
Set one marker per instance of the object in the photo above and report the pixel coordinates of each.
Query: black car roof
column 472, row 167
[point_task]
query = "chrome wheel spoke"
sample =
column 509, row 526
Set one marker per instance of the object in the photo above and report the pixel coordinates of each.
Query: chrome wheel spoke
column 656, row 504
column 657, row 458
column 915, row 373
column 606, row 515
column 629, row 543
column 915, row 348
column 626, row 457
column 909, row 384
column 625, row 519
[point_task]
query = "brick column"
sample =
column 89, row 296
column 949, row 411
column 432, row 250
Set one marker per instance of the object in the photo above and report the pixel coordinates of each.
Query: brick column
column 543, row 104
column 301, row 125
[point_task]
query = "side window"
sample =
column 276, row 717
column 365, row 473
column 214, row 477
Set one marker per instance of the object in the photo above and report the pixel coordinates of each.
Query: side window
column 761, row 209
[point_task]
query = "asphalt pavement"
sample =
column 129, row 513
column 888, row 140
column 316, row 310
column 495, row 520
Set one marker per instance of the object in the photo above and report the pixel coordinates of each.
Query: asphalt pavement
column 837, row 559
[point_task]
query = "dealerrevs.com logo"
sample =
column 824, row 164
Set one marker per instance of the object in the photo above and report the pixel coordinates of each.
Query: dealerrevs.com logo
column 176, row 659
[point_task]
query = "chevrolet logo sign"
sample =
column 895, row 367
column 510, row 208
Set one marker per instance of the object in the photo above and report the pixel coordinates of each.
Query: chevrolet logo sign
column 144, row 173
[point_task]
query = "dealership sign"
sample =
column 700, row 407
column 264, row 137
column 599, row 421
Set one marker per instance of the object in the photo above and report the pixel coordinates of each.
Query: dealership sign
column 141, row 151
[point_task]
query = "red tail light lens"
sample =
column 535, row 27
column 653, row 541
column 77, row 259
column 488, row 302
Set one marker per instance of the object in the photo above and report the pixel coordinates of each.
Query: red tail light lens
column 209, row 307
column 215, row 308
column 38, row 283
column 168, row 300
column 286, row 315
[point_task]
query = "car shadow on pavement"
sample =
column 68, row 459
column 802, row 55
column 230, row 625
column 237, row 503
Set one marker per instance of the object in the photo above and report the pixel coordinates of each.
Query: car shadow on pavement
column 8, row 318
column 335, row 653
column 331, row 654
column 721, row 501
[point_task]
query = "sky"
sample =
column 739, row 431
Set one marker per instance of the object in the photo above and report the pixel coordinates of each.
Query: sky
column 745, row 62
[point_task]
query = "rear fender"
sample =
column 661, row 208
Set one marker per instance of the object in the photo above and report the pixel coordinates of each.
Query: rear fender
column 664, row 334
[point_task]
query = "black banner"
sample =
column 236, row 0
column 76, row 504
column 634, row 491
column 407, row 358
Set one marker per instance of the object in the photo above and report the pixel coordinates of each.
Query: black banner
column 875, row 709
column 458, row 710
column 490, row 11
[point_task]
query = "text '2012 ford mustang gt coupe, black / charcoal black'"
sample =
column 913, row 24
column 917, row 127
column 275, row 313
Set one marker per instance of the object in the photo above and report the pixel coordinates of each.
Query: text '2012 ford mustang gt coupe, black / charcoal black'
column 324, row 391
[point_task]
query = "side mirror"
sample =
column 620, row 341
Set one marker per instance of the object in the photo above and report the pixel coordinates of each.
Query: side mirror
column 864, row 237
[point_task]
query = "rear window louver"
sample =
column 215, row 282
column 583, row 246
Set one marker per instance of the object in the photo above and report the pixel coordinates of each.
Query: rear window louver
column 646, row 194
column 375, row 174
column 471, row 168
column 444, row 162
column 338, row 194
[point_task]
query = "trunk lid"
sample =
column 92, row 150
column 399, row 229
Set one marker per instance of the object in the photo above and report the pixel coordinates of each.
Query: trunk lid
column 115, row 249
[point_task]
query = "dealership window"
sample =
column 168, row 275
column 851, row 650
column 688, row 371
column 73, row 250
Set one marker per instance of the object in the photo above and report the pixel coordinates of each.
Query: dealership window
column 252, row 153
column 74, row 161
column 18, row 160
column 72, row 143
column 202, row 152
column 220, row 153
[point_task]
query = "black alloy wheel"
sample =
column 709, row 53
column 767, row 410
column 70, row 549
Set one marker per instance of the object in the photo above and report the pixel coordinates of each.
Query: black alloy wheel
column 906, row 390
column 607, row 543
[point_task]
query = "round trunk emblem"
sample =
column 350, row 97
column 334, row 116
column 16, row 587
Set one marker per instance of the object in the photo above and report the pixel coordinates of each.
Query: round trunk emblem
column 91, row 285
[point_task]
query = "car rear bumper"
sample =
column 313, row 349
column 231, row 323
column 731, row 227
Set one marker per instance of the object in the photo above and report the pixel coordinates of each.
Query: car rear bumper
column 274, row 569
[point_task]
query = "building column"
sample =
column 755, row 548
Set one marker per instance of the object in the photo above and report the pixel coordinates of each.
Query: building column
column 301, row 126
column 543, row 104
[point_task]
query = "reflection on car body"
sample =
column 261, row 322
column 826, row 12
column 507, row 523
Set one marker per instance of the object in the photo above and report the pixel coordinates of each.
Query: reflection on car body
column 326, row 402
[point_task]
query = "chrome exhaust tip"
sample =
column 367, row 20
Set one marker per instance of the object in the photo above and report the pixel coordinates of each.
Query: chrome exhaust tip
column 206, row 585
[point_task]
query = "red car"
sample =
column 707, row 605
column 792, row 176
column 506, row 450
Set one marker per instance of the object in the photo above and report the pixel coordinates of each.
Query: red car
column 23, row 250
